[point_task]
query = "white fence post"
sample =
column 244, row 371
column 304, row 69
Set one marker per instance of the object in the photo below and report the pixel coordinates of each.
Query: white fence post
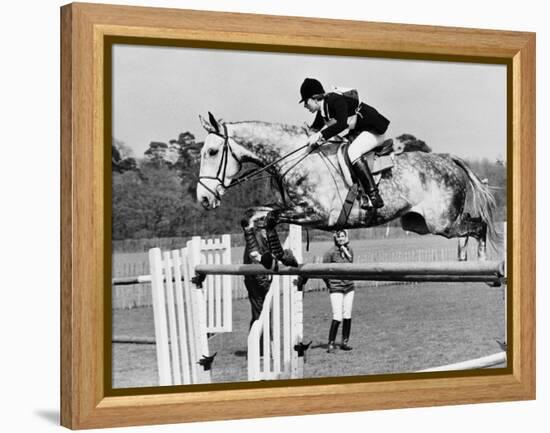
column 294, row 243
column 184, row 341
column 199, row 308
column 190, row 316
column 159, row 311
column 281, row 325
column 227, row 293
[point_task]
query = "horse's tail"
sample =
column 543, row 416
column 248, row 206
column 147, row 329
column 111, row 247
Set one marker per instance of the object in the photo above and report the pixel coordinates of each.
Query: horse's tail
column 483, row 203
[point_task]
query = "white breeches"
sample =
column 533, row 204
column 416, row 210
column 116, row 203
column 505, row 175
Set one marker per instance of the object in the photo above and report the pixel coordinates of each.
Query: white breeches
column 341, row 305
column 363, row 143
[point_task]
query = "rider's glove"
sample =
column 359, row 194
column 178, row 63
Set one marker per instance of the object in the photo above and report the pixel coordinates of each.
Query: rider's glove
column 314, row 140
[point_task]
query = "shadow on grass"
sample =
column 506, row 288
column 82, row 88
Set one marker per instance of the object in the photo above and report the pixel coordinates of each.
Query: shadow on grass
column 319, row 346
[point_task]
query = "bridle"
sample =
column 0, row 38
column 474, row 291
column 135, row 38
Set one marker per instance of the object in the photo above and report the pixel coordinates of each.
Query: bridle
column 222, row 168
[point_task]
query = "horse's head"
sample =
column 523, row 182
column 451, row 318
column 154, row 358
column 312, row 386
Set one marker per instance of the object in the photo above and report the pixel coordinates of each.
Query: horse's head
column 228, row 146
column 220, row 162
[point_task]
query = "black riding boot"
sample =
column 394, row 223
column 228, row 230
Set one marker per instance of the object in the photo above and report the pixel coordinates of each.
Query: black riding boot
column 362, row 173
column 332, row 336
column 346, row 329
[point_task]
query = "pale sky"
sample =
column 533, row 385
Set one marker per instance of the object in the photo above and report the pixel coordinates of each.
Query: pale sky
column 158, row 92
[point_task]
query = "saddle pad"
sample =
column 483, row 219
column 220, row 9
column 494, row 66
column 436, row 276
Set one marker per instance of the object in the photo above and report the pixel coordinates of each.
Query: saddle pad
column 377, row 165
column 382, row 163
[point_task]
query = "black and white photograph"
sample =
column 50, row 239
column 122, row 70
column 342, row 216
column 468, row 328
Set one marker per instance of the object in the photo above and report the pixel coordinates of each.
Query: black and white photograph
column 287, row 216
column 275, row 216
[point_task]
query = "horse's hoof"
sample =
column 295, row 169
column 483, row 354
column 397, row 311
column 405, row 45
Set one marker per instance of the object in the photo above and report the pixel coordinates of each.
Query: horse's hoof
column 270, row 221
column 268, row 261
column 288, row 259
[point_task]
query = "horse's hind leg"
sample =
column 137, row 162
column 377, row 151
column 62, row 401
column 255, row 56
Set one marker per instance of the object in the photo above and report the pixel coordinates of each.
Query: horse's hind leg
column 482, row 242
column 476, row 228
column 462, row 249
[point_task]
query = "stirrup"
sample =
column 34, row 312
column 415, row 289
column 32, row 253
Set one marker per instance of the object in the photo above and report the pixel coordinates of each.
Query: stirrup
column 364, row 202
column 368, row 202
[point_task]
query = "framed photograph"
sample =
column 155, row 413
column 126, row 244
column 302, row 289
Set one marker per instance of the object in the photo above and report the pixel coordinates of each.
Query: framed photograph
column 266, row 216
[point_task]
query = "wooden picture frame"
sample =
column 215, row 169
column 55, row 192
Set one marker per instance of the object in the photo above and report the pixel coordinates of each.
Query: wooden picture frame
column 86, row 398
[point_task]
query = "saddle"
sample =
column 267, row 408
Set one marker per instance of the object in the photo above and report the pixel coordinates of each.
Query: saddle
column 379, row 159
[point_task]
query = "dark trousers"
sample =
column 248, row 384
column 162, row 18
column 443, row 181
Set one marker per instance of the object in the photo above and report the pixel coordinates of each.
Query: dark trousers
column 257, row 291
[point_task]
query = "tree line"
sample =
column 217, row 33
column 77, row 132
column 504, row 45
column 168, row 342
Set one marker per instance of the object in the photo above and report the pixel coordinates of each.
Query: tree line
column 154, row 196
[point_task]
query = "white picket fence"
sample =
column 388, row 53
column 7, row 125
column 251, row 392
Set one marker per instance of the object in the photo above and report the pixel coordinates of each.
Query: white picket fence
column 280, row 326
column 185, row 313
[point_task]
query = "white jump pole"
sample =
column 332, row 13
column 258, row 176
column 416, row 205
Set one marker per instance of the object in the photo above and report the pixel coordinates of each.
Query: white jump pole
column 471, row 364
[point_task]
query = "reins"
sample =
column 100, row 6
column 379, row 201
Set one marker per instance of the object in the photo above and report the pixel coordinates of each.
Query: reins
column 249, row 175
column 253, row 173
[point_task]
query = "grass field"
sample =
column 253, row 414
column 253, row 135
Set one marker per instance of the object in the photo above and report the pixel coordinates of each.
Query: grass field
column 396, row 328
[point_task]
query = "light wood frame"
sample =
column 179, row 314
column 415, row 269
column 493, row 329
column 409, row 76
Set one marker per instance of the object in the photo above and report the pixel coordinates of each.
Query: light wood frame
column 84, row 259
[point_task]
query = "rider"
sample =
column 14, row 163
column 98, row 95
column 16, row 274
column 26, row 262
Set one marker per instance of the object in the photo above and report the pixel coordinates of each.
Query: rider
column 336, row 113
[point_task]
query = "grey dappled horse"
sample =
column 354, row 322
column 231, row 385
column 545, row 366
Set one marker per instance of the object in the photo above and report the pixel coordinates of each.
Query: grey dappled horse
column 427, row 191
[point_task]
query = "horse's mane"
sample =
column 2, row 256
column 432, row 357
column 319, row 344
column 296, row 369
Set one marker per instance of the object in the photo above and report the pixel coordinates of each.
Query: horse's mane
column 277, row 127
column 253, row 132
column 413, row 144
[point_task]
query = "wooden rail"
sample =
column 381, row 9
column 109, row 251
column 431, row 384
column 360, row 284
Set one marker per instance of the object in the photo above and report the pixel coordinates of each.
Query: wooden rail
column 479, row 271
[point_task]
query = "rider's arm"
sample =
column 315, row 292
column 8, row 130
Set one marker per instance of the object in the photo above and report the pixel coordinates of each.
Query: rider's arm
column 318, row 123
column 338, row 109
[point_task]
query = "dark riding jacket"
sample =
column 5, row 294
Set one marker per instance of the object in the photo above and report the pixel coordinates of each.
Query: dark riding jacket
column 263, row 281
column 335, row 255
column 257, row 286
column 338, row 108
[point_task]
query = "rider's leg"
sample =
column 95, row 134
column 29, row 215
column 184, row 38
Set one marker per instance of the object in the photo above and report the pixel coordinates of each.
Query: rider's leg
column 360, row 146
column 364, row 142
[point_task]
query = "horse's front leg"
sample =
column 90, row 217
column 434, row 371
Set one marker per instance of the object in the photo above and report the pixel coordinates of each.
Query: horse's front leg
column 251, row 223
column 262, row 222
column 278, row 254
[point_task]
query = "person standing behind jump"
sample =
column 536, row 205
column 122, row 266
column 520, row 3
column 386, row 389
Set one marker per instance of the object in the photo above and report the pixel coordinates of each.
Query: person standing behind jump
column 341, row 291
column 257, row 286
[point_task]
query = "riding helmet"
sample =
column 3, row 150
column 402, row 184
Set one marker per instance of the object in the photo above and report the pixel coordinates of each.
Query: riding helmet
column 310, row 87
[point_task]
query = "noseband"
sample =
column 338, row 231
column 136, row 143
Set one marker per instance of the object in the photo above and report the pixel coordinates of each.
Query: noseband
column 222, row 168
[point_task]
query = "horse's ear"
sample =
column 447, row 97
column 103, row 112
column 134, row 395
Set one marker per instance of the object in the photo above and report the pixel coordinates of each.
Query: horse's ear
column 206, row 125
column 214, row 122
column 210, row 126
